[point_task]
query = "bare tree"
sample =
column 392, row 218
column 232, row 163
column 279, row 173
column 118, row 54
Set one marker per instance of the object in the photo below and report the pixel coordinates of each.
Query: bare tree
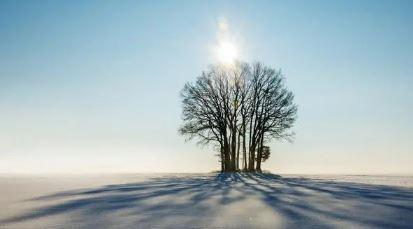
column 227, row 104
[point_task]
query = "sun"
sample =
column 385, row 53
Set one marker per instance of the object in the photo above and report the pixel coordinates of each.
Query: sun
column 227, row 52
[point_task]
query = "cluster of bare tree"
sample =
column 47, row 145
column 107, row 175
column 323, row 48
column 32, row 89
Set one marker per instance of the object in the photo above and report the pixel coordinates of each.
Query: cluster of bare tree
column 239, row 109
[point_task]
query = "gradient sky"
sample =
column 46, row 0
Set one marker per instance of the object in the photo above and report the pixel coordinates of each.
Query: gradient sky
column 93, row 86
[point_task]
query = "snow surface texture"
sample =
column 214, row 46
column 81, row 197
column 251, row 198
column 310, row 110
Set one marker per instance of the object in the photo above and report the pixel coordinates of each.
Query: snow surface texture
column 206, row 201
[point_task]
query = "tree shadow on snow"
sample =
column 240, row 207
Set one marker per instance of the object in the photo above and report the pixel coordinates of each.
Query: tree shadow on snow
column 301, row 201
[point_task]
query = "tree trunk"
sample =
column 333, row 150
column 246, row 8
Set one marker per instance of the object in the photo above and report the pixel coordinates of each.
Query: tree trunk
column 250, row 147
column 227, row 155
column 233, row 148
column 251, row 163
column 238, row 149
column 222, row 159
column 259, row 156
column 244, row 149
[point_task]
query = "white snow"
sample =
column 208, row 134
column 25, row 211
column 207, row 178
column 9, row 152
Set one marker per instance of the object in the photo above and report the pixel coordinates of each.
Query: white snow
column 391, row 180
column 206, row 201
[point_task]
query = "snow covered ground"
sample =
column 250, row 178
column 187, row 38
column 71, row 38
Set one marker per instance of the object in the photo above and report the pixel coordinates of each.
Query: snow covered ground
column 206, row 201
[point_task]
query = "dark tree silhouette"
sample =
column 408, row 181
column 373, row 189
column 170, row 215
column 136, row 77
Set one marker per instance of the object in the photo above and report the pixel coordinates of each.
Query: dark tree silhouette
column 238, row 108
column 266, row 152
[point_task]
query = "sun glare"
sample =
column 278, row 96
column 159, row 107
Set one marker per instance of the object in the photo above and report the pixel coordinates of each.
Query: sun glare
column 226, row 52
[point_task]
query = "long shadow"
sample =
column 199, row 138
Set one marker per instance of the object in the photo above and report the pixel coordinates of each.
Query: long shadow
column 300, row 201
column 397, row 202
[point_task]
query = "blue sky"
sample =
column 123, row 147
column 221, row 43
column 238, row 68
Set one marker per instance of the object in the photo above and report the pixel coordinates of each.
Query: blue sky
column 93, row 86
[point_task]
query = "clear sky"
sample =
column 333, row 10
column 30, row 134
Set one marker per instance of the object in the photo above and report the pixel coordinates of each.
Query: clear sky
column 93, row 86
